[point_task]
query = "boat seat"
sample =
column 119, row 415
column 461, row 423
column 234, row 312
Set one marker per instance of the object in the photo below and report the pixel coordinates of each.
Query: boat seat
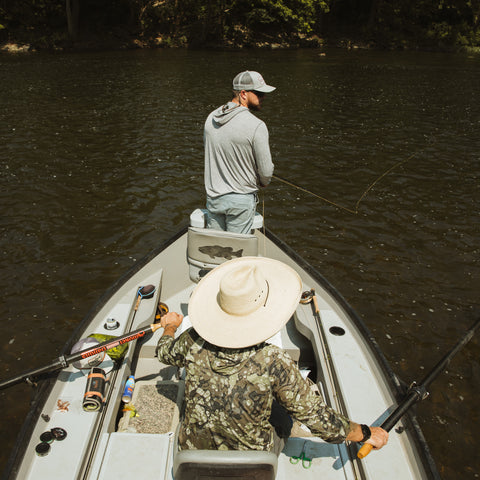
column 207, row 248
column 222, row 464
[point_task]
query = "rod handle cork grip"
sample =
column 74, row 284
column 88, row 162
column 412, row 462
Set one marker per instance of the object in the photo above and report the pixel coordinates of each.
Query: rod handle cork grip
column 138, row 302
column 155, row 326
column 315, row 302
column 365, row 450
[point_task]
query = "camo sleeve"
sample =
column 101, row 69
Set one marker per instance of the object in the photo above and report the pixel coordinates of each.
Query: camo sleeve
column 303, row 403
column 173, row 351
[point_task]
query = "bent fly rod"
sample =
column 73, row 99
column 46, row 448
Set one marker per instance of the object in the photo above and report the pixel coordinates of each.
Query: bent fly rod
column 419, row 392
column 65, row 360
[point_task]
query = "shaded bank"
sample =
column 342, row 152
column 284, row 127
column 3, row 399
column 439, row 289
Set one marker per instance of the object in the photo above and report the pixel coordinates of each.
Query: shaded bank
column 59, row 25
column 127, row 42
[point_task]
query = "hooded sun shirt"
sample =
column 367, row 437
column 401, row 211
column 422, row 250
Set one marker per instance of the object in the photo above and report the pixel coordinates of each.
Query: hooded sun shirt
column 237, row 152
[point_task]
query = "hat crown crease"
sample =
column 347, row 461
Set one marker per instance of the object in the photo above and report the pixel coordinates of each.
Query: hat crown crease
column 242, row 291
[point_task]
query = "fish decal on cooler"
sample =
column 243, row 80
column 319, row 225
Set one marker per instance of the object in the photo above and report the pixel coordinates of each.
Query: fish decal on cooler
column 220, row 252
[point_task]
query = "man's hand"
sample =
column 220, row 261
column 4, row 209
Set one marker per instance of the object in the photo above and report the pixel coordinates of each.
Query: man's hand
column 171, row 318
column 379, row 437
column 170, row 322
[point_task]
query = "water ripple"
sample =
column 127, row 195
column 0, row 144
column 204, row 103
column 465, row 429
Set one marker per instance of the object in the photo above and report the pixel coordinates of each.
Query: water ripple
column 102, row 160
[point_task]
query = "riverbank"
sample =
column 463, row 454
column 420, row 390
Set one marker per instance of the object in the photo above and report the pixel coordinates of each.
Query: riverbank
column 105, row 43
column 96, row 42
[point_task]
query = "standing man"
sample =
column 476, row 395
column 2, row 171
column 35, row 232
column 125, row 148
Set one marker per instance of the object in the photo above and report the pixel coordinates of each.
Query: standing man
column 237, row 156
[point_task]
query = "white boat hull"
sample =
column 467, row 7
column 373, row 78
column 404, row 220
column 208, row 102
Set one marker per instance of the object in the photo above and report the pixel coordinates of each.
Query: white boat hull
column 351, row 373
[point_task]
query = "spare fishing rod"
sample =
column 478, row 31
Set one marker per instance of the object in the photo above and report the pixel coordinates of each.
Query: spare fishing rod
column 65, row 360
column 419, row 392
column 309, row 297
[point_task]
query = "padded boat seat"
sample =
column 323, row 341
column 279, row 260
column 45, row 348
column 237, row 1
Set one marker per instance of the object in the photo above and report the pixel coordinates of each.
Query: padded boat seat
column 223, row 464
column 207, row 248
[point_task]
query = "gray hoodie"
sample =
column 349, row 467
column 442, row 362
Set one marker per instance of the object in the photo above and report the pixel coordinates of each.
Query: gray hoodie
column 237, row 153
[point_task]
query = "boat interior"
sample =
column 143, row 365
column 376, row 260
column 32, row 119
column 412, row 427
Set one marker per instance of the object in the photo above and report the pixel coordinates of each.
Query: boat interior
column 139, row 438
column 160, row 388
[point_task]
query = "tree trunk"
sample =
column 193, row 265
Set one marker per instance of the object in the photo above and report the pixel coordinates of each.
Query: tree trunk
column 72, row 18
column 372, row 18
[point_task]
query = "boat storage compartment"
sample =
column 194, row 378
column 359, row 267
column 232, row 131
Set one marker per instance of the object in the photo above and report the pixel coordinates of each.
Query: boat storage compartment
column 150, row 435
column 136, row 455
column 157, row 405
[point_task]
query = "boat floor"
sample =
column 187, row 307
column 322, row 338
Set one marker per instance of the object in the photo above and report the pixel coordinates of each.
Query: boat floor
column 157, row 407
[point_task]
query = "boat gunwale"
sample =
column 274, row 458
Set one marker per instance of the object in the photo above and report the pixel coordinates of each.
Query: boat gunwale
column 45, row 386
column 40, row 396
column 396, row 386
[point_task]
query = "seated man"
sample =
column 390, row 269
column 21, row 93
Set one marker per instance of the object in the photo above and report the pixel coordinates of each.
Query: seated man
column 232, row 375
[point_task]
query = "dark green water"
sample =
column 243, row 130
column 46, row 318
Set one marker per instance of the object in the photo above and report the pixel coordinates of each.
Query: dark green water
column 102, row 159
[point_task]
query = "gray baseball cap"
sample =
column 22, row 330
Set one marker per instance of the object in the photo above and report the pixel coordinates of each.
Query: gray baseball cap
column 251, row 81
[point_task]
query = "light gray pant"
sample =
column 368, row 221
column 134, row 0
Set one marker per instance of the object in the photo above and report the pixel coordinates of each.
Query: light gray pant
column 233, row 212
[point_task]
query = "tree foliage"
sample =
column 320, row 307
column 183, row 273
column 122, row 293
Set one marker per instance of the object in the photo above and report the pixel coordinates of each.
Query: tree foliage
column 387, row 23
column 230, row 21
column 427, row 22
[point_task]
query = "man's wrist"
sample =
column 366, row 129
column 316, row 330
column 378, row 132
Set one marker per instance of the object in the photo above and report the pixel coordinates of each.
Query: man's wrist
column 170, row 330
column 366, row 432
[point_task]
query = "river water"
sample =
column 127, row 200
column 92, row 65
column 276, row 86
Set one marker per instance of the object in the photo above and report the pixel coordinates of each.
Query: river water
column 101, row 161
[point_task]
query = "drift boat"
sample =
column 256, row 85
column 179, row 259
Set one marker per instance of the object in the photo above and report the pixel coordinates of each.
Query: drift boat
column 84, row 427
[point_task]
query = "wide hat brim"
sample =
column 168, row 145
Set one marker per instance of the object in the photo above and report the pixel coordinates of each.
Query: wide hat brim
column 238, row 331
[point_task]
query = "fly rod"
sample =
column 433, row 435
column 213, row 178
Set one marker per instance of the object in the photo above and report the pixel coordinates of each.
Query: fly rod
column 65, row 360
column 419, row 392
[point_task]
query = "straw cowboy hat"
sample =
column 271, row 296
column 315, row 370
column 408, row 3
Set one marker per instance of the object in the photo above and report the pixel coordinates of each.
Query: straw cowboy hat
column 244, row 301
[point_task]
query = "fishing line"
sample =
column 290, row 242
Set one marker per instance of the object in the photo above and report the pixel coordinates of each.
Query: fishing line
column 380, row 177
column 298, row 187
column 356, row 211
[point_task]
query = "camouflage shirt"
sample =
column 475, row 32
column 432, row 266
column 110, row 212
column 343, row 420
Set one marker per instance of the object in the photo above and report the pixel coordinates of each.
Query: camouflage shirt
column 229, row 394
